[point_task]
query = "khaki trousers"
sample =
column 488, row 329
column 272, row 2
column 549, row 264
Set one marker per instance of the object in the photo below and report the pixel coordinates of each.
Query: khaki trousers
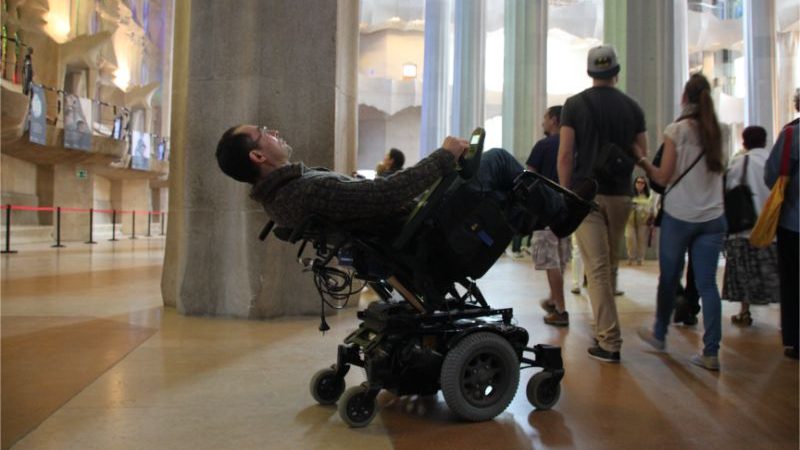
column 599, row 239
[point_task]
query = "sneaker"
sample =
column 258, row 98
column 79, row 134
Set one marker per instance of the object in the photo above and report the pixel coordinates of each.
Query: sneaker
column 557, row 319
column 547, row 305
column 598, row 353
column 576, row 290
column 646, row 335
column 706, row 362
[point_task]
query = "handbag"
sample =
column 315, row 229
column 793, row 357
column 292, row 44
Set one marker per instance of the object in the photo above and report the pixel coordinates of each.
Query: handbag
column 767, row 224
column 740, row 212
column 655, row 187
column 660, row 213
column 610, row 161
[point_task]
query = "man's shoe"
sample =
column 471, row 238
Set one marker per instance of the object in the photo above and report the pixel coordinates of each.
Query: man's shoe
column 706, row 362
column 557, row 319
column 547, row 305
column 576, row 290
column 791, row 352
column 646, row 335
column 598, row 353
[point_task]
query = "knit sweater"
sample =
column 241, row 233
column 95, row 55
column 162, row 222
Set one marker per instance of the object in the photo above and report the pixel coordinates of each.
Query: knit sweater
column 291, row 193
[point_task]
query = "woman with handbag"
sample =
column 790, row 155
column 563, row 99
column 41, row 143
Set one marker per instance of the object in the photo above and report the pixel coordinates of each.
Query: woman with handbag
column 751, row 273
column 637, row 229
column 693, row 216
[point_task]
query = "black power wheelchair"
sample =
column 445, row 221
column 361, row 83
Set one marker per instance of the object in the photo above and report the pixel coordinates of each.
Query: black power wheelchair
column 432, row 328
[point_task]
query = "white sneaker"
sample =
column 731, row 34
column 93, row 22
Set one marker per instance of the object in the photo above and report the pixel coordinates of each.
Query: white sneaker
column 706, row 362
column 646, row 335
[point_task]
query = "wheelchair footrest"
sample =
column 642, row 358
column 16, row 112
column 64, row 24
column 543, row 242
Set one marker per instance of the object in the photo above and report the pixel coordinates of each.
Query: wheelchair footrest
column 546, row 356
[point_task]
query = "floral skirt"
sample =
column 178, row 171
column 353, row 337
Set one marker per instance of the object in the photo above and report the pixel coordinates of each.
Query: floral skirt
column 751, row 274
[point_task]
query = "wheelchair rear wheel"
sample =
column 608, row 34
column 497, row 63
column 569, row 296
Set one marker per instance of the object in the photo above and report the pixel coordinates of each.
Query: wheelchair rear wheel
column 325, row 387
column 480, row 376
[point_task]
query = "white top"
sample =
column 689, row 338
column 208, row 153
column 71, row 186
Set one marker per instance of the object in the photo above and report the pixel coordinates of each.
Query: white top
column 698, row 196
column 754, row 178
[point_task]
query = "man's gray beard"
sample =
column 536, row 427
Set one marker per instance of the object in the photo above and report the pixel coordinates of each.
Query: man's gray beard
column 288, row 149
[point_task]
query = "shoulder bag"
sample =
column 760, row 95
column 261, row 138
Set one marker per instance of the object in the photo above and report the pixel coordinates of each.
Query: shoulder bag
column 740, row 212
column 767, row 224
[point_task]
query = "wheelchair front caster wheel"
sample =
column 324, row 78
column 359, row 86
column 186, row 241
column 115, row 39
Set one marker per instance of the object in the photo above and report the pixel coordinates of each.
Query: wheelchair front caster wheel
column 543, row 390
column 326, row 387
column 356, row 408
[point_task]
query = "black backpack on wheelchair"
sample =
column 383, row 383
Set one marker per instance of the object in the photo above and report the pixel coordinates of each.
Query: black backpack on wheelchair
column 432, row 328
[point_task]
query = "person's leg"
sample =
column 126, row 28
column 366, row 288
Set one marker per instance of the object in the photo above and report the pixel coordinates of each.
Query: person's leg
column 704, row 252
column 642, row 232
column 691, row 292
column 618, row 209
column 675, row 236
column 556, row 281
column 630, row 242
column 577, row 267
column 788, row 270
column 593, row 238
column 497, row 171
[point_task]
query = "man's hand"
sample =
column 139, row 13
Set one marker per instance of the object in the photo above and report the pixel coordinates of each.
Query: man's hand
column 455, row 146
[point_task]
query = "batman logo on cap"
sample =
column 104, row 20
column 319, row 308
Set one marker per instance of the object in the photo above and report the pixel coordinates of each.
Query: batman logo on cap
column 602, row 61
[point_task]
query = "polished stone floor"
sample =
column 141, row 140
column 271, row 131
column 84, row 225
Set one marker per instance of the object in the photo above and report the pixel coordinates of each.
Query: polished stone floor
column 91, row 360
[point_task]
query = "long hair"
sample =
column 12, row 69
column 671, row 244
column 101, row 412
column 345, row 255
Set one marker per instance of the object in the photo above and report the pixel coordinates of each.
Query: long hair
column 698, row 91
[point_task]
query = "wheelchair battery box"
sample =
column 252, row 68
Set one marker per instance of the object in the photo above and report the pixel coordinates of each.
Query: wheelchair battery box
column 475, row 232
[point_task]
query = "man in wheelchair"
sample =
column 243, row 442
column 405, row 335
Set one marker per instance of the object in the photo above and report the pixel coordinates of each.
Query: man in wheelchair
column 441, row 334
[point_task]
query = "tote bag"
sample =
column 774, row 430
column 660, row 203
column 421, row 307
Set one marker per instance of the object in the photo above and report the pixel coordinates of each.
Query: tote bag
column 767, row 225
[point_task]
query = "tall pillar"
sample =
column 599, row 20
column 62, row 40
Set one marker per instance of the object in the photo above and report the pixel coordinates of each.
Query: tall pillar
column 524, row 74
column 657, row 61
column 283, row 75
column 759, row 56
column 615, row 32
column 435, row 76
column 468, row 66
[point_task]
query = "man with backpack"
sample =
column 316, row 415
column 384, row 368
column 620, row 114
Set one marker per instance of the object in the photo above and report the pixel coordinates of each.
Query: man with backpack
column 599, row 128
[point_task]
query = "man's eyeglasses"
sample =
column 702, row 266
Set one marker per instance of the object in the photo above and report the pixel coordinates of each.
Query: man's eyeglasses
column 266, row 131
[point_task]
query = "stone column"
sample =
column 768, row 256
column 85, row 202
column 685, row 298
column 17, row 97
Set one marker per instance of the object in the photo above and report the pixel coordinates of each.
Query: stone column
column 468, row 66
column 267, row 63
column 435, row 76
column 524, row 74
column 759, row 56
column 657, row 61
column 615, row 32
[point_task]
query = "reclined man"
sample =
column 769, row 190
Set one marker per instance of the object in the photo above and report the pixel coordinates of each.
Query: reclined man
column 290, row 192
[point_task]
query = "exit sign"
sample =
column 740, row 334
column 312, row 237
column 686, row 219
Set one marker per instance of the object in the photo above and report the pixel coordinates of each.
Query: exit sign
column 82, row 174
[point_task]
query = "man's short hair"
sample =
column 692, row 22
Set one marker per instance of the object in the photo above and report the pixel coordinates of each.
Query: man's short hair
column 398, row 158
column 754, row 137
column 233, row 156
column 555, row 111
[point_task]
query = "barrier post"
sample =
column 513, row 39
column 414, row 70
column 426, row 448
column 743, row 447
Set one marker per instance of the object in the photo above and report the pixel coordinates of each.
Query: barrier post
column 58, row 229
column 8, row 231
column 133, row 224
column 91, row 227
column 162, row 224
column 113, row 225
column 149, row 223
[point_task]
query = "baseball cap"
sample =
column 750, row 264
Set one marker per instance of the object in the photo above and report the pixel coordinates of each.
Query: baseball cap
column 602, row 62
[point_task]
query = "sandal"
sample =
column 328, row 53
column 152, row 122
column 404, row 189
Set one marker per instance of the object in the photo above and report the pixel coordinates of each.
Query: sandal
column 742, row 319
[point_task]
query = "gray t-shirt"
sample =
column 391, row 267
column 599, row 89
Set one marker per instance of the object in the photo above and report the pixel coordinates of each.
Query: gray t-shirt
column 620, row 121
